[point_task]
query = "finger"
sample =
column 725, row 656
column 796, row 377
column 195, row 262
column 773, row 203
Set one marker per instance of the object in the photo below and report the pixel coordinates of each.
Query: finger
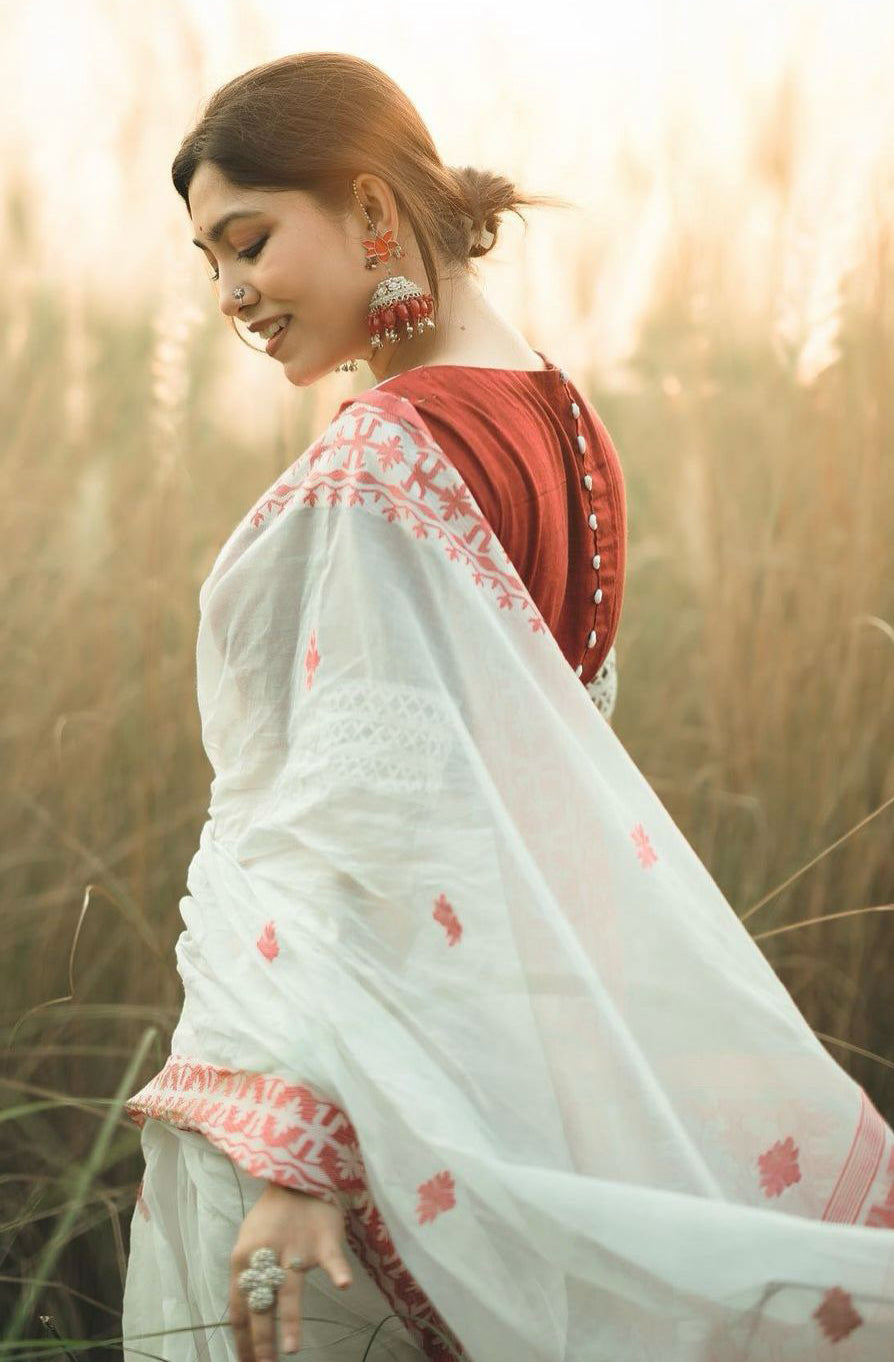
column 239, row 1322
column 263, row 1332
column 291, row 1295
column 335, row 1264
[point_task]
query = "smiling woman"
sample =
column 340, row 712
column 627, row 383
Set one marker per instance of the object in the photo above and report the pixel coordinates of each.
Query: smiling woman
column 293, row 211
column 475, row 1061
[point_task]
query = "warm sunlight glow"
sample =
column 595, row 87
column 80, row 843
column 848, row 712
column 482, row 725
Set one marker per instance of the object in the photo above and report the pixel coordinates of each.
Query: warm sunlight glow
column 651, row 116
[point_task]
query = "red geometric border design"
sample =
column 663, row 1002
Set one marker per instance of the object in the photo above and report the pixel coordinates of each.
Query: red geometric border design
column 882, row 1212
column 352, row 468
column 287, row 1133
column 860, row 1167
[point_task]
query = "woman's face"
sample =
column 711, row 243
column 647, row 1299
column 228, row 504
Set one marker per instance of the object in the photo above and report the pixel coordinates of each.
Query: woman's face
column 295, row 261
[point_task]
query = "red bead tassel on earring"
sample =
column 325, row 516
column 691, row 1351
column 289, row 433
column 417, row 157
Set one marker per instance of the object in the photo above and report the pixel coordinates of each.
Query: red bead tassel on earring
column 413, row 311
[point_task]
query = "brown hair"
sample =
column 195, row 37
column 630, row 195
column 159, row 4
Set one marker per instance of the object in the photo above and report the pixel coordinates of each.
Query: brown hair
column 312, row 121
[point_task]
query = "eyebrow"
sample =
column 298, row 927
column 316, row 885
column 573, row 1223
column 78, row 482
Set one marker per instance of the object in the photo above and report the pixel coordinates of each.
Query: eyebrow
column 220, row 227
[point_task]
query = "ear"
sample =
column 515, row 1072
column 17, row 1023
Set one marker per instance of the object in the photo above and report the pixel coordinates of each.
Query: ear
column 379, row 201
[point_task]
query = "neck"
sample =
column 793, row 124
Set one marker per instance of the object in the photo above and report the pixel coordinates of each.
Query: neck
column 464, row 319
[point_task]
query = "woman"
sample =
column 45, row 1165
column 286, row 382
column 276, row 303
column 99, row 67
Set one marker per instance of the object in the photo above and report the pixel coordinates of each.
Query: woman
column 471, row 1042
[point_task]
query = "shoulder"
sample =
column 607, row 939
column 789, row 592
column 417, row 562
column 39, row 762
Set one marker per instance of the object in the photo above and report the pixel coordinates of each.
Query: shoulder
column 450, row 422
column 382, row 406
column 430, row 425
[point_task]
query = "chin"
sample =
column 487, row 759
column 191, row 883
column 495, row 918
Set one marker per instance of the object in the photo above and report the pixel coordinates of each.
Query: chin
column 298, row 375
column 301, row 377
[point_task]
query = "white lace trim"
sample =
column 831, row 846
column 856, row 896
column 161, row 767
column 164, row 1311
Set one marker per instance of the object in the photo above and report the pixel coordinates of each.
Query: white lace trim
column 383, row 736
column 603, row 689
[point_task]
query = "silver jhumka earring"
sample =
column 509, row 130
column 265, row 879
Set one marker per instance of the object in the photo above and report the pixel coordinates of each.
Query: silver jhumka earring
column 397, row 301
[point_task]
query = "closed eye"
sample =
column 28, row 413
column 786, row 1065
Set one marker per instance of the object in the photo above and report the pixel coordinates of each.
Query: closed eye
column 250, row 253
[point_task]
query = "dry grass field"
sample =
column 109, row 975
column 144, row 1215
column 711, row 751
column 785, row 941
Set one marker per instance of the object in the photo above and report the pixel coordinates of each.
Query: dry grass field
column 756, row 661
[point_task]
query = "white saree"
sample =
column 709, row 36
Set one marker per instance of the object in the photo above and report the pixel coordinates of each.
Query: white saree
column 449, row 963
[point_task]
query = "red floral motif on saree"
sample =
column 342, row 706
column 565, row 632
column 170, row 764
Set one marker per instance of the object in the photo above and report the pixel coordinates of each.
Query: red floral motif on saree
column 779, row 1167
column 311, row 659
column 444, row 914
column 837, row 1316
column 267, row 943
column 643, row 846
column 435, row 1196
column 287, row 1133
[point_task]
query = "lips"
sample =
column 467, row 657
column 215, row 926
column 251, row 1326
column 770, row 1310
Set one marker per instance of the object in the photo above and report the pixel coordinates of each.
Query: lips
column 275, row 341
column 267, row 321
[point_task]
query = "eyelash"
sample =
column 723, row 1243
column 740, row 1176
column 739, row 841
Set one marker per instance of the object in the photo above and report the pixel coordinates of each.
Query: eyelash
column 251, row 254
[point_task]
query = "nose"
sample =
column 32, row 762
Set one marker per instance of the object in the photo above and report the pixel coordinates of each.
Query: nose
column 230, row 306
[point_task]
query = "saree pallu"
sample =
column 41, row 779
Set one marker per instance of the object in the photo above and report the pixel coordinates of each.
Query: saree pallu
column 449, row 963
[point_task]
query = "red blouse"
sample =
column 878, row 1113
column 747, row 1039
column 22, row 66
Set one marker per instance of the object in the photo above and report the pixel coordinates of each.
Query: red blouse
column 513, row 438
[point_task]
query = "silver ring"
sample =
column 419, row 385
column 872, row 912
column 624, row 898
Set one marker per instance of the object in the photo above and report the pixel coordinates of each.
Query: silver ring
column 261, row 1279
column 298, row 1264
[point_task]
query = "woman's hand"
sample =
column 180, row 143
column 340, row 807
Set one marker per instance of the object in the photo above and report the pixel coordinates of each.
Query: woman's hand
column 291, row 1223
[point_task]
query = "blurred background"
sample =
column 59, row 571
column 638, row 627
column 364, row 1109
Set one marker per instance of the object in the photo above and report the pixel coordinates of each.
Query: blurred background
column 723, row 290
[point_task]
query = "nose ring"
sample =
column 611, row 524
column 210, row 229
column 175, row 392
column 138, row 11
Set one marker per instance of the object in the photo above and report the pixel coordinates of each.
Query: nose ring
column 239, row 293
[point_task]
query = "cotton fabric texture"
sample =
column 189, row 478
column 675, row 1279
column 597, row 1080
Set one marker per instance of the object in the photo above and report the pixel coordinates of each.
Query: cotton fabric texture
column 449, row 964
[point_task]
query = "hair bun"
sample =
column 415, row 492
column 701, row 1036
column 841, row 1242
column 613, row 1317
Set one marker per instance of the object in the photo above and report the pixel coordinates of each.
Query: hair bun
column 486, row 239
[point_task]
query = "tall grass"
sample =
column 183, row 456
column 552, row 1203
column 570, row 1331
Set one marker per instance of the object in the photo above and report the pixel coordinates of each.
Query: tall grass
column 756, row 678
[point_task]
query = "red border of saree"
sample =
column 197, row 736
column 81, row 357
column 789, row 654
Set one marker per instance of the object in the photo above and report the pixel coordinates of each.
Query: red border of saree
column 286, row 1133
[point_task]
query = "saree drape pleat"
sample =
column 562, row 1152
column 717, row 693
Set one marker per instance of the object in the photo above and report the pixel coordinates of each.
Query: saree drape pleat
column 448, row 962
